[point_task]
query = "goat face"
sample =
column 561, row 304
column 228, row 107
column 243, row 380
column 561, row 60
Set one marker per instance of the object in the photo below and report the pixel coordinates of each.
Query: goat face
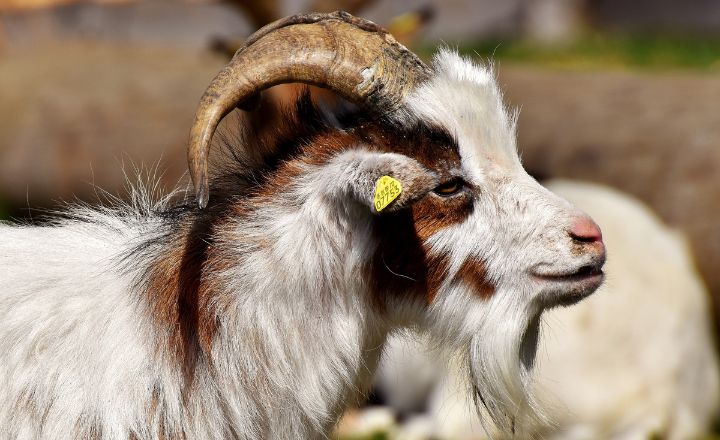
column 498, row 248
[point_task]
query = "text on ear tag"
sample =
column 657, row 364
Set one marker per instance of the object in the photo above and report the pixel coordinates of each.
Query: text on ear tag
column 387, row 189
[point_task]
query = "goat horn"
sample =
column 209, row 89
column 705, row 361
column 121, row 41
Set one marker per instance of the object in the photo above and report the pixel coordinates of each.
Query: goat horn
column 353, row 57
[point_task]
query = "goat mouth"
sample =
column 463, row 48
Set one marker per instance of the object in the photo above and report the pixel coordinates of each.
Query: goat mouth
column 570, row 287
column 581, row 274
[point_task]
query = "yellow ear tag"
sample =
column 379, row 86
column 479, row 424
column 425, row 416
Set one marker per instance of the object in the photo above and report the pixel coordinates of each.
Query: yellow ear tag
column 387, row 189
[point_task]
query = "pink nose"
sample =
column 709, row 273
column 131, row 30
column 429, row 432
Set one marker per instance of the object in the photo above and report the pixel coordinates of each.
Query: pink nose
column 585, row 230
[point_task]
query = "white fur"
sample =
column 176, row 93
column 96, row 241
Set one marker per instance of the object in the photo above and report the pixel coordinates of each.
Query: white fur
column 298, row 338
column 73, row 344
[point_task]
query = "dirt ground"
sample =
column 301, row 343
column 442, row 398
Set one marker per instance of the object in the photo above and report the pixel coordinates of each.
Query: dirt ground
column 72, row 114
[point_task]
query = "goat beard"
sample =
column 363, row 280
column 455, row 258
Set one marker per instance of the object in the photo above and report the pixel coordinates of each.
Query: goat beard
column 500, row 360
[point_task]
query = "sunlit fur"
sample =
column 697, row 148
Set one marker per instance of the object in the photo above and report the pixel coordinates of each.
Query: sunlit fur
column 264, row 315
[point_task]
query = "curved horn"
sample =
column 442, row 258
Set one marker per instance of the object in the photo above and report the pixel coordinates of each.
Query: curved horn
column 353, row 57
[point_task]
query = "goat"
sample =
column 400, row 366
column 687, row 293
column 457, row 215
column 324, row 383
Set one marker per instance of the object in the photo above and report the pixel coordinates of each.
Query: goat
column 636, row 361
column 261, row 312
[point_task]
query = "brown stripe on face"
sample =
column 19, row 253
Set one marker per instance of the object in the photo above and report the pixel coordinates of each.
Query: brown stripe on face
column 474, row 274
column 401, row 266
column 433, row 213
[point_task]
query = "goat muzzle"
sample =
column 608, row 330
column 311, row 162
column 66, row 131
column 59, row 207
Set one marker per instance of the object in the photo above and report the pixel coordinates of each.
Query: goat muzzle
column 350, row 56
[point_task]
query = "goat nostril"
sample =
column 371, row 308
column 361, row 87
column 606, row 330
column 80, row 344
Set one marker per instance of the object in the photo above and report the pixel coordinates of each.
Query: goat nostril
column 585, row 230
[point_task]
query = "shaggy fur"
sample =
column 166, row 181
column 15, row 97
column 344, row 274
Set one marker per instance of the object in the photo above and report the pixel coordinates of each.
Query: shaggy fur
column 264, row 315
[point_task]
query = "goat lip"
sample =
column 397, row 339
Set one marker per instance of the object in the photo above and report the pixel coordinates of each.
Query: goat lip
column 565, row 289
column 580, row 275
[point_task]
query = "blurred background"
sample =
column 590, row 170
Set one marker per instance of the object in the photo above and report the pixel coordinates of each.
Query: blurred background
column 622, row 93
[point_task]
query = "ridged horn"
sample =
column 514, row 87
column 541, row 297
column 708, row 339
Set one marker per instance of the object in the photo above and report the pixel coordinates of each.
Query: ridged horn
column 353, row 57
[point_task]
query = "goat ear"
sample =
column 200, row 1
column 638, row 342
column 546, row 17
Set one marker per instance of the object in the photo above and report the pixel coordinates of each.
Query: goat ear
column 386, row 182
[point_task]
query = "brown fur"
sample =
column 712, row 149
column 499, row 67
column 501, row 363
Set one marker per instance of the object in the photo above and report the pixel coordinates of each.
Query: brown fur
column 433, row 213
column 474, row 275
column 180, row 294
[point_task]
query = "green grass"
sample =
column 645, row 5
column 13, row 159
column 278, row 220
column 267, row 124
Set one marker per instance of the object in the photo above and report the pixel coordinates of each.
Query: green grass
column 646, row 52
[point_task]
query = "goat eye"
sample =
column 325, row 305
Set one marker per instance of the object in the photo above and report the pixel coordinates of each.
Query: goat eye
column 449, row 188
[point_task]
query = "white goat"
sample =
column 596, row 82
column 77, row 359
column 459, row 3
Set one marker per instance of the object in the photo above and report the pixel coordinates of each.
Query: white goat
column 635, row 361
column 263, row 315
